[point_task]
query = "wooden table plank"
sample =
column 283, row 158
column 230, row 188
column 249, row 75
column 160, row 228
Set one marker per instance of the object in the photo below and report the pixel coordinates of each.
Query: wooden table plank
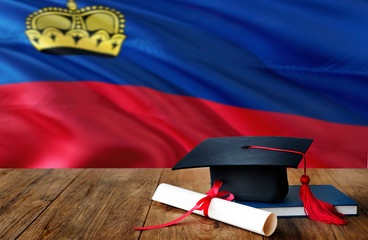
column 99, row 204
column 107, row 203
column 25, row 193
column 354, row 183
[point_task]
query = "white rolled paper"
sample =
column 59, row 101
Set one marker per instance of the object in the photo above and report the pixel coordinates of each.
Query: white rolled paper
column 242, row 216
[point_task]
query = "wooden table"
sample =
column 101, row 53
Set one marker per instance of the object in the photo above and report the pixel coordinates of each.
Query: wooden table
column 107, row 203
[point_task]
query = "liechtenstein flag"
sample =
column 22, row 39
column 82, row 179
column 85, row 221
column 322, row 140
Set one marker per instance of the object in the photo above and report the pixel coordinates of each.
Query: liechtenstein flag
column 138, row 83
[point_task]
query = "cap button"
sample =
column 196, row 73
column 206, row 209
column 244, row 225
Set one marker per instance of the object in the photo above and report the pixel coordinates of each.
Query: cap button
column 305, row 179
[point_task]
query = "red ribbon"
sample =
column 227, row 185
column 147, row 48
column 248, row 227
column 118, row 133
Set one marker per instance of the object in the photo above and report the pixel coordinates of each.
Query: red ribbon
column 202, row 205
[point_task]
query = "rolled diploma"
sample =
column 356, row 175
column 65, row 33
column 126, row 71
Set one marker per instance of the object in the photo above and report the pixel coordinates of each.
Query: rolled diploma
column 242, row 216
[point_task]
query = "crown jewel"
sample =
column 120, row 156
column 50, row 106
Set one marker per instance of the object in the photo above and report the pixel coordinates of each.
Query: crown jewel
column 95, row 30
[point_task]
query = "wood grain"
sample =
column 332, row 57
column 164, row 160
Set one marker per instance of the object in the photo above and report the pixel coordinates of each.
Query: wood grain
column 108, row 203
column 25, row 193
column 100, row 204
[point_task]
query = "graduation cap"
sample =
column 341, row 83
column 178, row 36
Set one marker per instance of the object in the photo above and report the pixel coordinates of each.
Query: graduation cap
column 254, row 169
column 251, row 174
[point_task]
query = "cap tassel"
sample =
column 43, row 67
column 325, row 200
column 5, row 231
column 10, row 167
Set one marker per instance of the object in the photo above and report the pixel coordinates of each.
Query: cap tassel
column 314, row 209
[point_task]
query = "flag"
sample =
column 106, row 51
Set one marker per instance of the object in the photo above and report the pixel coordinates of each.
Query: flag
column 139, row 83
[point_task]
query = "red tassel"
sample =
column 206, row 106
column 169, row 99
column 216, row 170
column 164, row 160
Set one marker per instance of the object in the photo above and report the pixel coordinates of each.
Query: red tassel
column 316, row 209
column 313, row 208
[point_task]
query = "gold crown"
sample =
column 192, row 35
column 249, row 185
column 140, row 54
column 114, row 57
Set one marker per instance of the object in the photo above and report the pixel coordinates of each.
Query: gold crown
column 95, row 30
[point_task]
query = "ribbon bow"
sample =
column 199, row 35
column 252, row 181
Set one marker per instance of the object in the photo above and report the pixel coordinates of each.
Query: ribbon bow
column 202, row 205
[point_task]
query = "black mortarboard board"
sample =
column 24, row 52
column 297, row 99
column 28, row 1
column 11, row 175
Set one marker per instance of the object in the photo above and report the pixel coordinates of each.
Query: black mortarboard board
column 250, row 174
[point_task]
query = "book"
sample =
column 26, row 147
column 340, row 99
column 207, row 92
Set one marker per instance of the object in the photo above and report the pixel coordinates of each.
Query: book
column 292, row 206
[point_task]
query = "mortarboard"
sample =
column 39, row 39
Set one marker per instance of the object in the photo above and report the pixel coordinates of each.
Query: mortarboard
column 250, row 173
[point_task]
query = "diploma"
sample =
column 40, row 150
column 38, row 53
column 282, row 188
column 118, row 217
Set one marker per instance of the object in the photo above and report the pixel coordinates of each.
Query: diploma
column 242, row 216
